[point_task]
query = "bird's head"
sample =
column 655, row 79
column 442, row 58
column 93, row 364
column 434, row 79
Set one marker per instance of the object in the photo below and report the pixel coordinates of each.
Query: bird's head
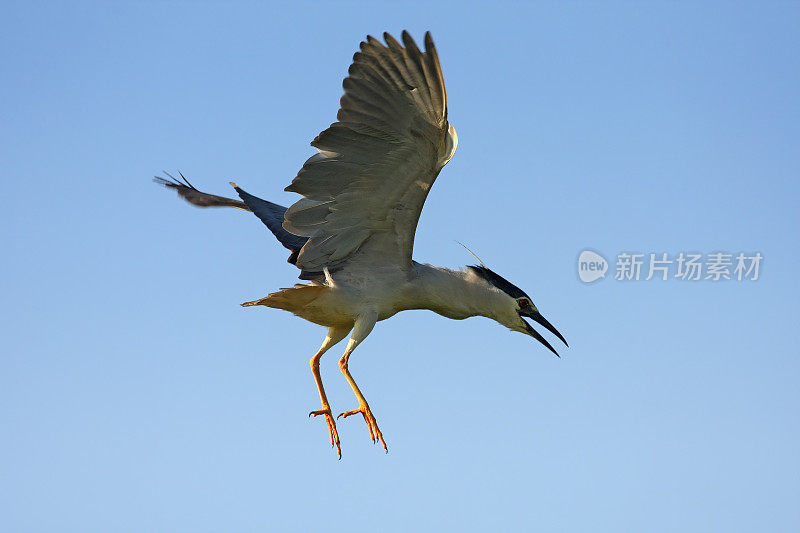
column 512, row 306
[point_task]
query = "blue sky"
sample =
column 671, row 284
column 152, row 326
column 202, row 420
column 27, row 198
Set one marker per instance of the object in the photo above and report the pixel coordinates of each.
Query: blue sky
column 136, row 395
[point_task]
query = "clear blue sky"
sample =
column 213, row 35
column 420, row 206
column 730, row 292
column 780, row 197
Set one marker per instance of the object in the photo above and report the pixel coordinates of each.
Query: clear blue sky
column 136, row 395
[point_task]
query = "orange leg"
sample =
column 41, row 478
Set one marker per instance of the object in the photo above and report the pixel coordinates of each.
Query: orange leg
column 363, row 326
column 334, row 336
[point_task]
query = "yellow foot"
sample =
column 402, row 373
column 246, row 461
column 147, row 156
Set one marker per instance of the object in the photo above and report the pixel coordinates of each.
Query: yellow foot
column 374, row 432
column 331, row 427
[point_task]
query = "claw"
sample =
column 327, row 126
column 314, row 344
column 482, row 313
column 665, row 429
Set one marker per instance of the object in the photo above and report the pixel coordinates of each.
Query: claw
column 334, row 434
column 372, row 425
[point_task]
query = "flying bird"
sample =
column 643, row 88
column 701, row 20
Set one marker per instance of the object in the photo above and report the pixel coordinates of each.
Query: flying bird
column 352, row 232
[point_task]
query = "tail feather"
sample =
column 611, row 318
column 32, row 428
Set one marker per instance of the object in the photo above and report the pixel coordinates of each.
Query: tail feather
column 290, row 299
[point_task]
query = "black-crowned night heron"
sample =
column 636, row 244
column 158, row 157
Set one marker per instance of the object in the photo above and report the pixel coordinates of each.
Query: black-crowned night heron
column 352, row 232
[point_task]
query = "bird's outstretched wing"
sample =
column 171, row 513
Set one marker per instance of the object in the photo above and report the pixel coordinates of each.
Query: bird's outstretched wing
column 272, row 215
column 188, row 192
column 364, row 191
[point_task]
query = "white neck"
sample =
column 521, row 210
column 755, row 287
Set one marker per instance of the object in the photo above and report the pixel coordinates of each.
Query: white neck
column 456, row 294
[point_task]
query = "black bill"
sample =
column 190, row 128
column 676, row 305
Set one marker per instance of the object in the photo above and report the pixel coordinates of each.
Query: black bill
column 536, row 316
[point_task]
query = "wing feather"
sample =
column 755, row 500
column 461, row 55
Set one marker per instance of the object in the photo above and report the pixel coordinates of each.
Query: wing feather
column 363, row 193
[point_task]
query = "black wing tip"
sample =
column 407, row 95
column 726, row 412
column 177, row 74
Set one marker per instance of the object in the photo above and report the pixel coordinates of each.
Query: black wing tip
column 390, row 40
column 429, row 46
column 409, row 42
column 186, row 181
column 171, row 182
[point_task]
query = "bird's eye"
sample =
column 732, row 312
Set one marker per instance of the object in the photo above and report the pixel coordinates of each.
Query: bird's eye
column 523, row 303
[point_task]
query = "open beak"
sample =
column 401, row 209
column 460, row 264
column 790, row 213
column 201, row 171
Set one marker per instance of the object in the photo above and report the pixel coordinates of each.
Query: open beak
column 536, row 316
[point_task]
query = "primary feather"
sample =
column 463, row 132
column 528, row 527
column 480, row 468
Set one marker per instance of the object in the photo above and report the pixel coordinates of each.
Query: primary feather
column 363, row 193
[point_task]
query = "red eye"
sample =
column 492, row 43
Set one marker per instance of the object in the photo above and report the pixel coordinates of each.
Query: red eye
column 523, row 303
